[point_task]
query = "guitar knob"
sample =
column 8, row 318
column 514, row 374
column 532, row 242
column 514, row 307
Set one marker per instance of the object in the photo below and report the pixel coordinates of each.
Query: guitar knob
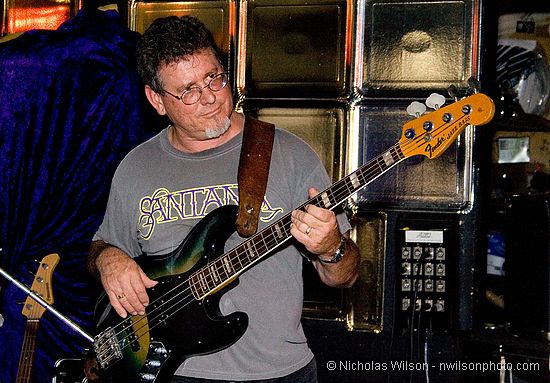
column 416, row 109
column 152, row 363
column 447, row 117
column 158, row 350
column 435, row 101
column 474, row 84
column 453, row 92
column 146, row 377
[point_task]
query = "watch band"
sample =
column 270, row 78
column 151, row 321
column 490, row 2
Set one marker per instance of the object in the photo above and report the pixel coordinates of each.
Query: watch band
column 338, row 254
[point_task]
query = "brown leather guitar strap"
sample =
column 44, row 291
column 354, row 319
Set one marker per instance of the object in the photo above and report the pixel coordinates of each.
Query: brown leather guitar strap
column 253, row 173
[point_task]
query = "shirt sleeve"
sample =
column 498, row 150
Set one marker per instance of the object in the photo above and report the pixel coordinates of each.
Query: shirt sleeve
column 116, row 228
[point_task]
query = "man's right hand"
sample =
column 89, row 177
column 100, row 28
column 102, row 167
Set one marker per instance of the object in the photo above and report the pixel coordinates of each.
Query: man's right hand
column 124, row 281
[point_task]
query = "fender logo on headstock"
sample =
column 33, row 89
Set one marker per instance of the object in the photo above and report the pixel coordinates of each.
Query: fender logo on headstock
column 449, row 136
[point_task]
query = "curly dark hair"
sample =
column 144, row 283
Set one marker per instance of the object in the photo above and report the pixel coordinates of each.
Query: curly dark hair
column 167, row 41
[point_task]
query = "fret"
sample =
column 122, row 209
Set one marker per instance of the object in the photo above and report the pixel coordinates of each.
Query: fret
column 250, row 250
column 388, row 158
column 326, row 200
column 271, row 236
column 238, row 258
column 202, row 282
column 214, row 273
column 207, row 277
column 228, row 267
column 393, row 154
column 200, row 290
column 278, row 231
column 194, row 286
column 344, row 193
column 361, row 175
column 220, row 269
column 398, row 153
column 354, row 179
column 260, row 245
column 381, row 163
column 235, row 261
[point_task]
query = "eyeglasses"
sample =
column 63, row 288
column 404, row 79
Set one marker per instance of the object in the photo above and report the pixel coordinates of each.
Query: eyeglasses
column 193, row 94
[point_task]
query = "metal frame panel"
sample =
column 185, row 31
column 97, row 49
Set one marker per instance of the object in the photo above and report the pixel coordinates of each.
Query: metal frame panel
column 415, row 47
column 295, row 49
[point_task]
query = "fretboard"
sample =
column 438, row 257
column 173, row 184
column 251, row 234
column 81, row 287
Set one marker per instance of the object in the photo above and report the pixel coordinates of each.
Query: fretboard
column 27, row 352
column 231, row 264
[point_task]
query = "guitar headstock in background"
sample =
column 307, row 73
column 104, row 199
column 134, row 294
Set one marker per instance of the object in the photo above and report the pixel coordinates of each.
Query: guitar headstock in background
column 431, row 134
column 41, row 286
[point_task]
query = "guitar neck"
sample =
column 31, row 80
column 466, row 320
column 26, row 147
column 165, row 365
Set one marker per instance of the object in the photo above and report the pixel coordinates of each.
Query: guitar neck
column 24, row 370
column 429, row 135
column 229, row 266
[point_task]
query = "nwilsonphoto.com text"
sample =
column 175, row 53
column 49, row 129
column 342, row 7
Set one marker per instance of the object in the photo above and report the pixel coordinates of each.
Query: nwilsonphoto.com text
column 403, row 365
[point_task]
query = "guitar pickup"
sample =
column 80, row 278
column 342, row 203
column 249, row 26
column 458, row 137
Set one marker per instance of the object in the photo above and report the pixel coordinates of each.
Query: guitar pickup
column 134, row 341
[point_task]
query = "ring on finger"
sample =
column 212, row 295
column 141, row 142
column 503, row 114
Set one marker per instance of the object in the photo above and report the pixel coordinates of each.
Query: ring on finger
column 121, row 296
column 308, row 230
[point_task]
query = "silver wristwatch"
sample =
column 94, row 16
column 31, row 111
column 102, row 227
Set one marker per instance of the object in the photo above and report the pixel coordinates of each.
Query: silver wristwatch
column 338, row 254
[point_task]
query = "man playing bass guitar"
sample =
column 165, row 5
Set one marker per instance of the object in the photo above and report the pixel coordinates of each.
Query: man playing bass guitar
column 162, row 192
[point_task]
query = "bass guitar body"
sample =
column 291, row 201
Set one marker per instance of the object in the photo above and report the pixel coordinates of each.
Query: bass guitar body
column 177, row 324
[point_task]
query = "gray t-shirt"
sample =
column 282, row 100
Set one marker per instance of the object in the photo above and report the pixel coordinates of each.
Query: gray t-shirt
column 159, row 193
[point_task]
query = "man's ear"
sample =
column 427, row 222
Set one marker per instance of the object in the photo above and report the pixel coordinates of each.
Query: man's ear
column 155, row 99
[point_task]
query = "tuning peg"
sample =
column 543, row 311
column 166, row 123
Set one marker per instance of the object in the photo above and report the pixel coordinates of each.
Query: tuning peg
column 435, row 101
column 453, row 91
column 416, row 109
column 473, row 84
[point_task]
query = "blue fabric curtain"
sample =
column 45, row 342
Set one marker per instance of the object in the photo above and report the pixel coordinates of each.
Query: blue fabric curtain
column 71, row 107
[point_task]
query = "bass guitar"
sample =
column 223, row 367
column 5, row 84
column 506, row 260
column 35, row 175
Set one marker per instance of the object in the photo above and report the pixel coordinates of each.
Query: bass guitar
column 41, row 286
column 183, row 318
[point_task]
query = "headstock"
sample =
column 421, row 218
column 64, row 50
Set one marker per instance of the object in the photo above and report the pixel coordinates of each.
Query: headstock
column 41, row 286
column 431, row 134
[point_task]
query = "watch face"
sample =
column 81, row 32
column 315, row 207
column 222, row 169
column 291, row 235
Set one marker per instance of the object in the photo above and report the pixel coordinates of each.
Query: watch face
column 340, row 251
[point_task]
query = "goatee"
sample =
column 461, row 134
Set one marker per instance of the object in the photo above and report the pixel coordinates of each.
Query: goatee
column 217, row 131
